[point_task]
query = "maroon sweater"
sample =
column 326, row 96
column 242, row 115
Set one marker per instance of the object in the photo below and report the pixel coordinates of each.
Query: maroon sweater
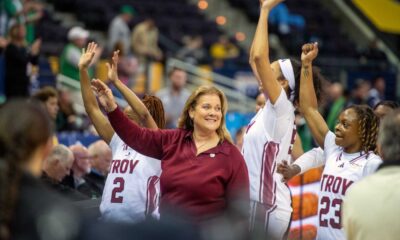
column 202, row 186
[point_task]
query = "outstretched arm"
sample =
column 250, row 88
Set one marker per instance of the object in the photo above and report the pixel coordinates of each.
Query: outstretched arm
column 99, row 120
column 308, row 100
column 260, row 53
column 148, row 142
column 311, row 159
column 133, row 101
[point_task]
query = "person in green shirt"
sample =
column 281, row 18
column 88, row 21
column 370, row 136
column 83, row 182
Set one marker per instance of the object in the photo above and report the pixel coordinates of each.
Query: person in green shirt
column 71, row 53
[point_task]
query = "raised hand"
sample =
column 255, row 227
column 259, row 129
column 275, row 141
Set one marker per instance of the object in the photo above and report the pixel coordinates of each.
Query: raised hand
column 87, row 55
column 287, row 171
column 269, row 4
column 309, row 52
column 104, row 94
column 113, row 68
column 35, row 48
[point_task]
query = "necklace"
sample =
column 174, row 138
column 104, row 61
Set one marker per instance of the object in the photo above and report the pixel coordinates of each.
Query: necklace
column 201, row 146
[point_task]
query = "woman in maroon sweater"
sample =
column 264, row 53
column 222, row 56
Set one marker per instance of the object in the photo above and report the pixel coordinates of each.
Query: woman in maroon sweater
column 203, row 173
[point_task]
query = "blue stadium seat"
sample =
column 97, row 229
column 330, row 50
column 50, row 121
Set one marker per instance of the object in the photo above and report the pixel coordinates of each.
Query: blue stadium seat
column 70, row 138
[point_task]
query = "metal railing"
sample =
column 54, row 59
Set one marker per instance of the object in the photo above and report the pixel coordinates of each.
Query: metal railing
column 237, row 101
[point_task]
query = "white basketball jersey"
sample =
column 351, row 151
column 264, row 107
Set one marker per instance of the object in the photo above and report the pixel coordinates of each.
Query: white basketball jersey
column 341, row 171
column 131, row 192
column 268, row 140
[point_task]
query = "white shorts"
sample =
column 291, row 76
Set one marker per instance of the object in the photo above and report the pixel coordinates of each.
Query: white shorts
column 269, row 221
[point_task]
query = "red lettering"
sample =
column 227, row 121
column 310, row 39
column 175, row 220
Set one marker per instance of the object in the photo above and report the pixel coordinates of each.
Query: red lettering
column 115, row 166
column 346, row 185
column 124, row 165
column 323, row 181
column 132, row 165
column 328, row 184
column 325, row 205
column 336, row 184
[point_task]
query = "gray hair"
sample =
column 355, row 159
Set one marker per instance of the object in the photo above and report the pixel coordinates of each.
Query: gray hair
column 389, row 136
column 60, row 152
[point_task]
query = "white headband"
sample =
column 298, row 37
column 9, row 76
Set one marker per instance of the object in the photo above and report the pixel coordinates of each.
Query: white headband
column 287, row 71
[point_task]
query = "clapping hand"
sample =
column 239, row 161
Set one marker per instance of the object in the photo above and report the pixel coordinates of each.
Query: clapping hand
column 104, row 95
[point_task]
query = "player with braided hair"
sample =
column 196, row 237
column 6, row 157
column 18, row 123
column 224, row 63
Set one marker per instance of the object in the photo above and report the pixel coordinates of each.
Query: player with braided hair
column 368, row 127
column 132, row 186
column 348, row 154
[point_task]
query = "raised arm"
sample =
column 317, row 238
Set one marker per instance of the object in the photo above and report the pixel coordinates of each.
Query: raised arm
column 99, row 120
column 146, row 141
column 308, row 100
column 133, row 101
column 260, row 53
column 252, row 63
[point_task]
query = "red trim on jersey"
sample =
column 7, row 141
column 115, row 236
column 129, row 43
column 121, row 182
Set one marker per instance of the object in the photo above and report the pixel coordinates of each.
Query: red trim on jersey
column 267, row 217
column 152, row 195
column 267, row 183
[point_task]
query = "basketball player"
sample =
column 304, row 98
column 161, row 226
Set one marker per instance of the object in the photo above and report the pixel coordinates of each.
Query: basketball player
column 270, row 134
column 315, row 157
column 131, row 190
column 349, row 152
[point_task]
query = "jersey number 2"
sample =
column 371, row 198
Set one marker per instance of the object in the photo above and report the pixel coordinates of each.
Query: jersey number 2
column 118, row 189
column 325, row 205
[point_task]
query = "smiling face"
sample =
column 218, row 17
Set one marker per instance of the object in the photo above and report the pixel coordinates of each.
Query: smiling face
column 346, row 131
column 207, row 113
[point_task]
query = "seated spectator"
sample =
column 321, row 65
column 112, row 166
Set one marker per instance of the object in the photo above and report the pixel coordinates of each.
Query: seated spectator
column 174, row 96
column 80, row 169
column 223, row 49
column 101, row 156
column 193, row 51
column 57, row 166
column 28, row 210
column 377, row 92
column 68, row 119
column 385, row 107
column 360, row 93
column 49, row 97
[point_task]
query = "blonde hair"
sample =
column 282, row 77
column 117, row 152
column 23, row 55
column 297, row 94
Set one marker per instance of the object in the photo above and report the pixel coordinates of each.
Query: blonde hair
column 185, row 122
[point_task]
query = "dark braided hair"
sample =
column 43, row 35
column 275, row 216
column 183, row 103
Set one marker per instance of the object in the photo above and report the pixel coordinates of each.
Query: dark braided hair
column 368, row 126
column 24, row 126
column 156, row 109
column 318, row 80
